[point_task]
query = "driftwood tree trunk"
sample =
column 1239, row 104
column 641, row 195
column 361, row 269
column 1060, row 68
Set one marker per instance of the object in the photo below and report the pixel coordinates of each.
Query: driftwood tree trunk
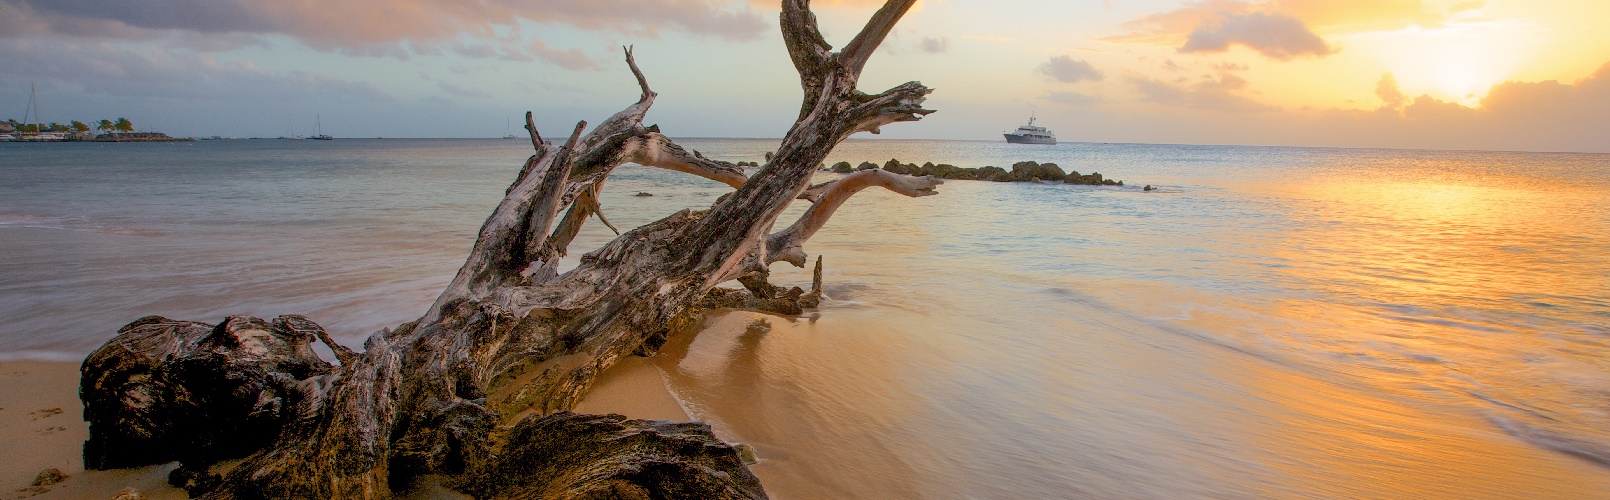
column 478, row 389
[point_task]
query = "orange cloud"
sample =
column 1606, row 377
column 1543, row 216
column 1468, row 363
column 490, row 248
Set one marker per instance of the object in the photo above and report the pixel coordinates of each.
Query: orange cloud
column 1387, row 90
column 1275, row 36
column 1516, row 116
column 1279, row 29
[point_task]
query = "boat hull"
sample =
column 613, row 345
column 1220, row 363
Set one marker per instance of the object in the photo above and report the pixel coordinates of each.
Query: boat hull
column 1023, row 139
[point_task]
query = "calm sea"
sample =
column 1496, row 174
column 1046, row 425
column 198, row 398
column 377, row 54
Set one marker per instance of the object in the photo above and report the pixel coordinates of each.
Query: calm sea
column 1272, row 322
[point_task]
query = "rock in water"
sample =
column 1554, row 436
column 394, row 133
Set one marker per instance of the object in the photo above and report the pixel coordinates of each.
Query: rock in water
column 747, row 453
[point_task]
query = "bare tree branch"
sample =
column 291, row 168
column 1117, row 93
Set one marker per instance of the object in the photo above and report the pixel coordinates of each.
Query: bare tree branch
column 547, row 207
column 899, row 104
column 536, row 138
column 641, row 81
column 807, row 48
column 656, row 150
column 856, row 53
column 787, row 245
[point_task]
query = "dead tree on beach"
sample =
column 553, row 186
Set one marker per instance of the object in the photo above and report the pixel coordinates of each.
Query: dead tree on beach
column 477, row 391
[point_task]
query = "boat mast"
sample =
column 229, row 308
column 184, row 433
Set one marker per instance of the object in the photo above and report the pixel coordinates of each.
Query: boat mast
column 33, row 106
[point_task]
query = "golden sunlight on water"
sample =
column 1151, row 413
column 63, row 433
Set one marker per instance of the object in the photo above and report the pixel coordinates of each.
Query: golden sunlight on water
column 1346, row 337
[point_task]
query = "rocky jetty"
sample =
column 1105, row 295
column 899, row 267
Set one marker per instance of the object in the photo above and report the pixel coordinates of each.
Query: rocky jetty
column 1023, row 171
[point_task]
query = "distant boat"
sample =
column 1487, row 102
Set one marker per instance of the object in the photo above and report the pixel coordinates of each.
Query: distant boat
column 318, row 130
column 40, row 133
column 1031, row 134
column 506, row 134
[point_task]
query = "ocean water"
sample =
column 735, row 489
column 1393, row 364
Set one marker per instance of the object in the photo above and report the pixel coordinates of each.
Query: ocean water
column 1272, row 322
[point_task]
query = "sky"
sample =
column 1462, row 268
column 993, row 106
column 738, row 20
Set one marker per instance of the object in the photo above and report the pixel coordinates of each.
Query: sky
column 1530, row 75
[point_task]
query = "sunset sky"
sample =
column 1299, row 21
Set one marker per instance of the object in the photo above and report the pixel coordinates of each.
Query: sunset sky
column 1454, row 74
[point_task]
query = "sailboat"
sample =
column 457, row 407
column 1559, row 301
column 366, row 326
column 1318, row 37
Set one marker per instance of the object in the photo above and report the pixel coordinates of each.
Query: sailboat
column 40, row 133
column 318, row 130
column 506, row 134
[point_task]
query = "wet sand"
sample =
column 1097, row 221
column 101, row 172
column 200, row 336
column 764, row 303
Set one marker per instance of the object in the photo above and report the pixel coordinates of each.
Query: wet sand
column 634, row 387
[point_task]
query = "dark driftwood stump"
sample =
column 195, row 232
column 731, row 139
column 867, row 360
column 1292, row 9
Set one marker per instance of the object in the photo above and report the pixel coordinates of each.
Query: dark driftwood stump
column 477, row 391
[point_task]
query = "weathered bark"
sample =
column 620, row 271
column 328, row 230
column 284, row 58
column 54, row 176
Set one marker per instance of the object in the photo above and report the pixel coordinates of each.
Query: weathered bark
column 470, row 390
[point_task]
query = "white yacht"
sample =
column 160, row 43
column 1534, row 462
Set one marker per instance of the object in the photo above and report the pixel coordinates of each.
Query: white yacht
column 1031, row 134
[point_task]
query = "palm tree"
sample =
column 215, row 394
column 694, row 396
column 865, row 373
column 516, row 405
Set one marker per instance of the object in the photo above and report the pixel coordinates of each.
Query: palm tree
column 124, row 125
column 106, row 126
column 80, row 127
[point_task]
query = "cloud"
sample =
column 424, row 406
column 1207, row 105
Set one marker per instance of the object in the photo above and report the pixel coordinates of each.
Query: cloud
column 1279, row 29
column 1355, row 16
column 571, row 59
column 1066, row 69
column 1225, row 82
column 461, row 91
column 1516, row 116
column 1583, row 108
column 1210, row 94
column 360, row 25
column 1467, row 6
column 1275, row 36
column 102, row 69
column 1387, row 90
column 476, row 51
column 934, row 45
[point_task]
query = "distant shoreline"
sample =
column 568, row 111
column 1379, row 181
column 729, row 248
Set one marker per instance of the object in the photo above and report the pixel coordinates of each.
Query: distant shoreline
column 124, row 137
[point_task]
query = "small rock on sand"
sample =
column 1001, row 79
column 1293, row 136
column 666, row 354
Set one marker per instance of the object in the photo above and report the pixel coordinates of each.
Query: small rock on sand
column 48, row 477
column 641, row 194
column 129, row 494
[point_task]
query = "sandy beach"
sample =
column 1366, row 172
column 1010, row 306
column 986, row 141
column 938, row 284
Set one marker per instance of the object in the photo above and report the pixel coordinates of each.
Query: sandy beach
column 42, row 427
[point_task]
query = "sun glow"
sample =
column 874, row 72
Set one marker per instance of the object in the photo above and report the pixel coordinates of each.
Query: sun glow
column 1457, row 63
